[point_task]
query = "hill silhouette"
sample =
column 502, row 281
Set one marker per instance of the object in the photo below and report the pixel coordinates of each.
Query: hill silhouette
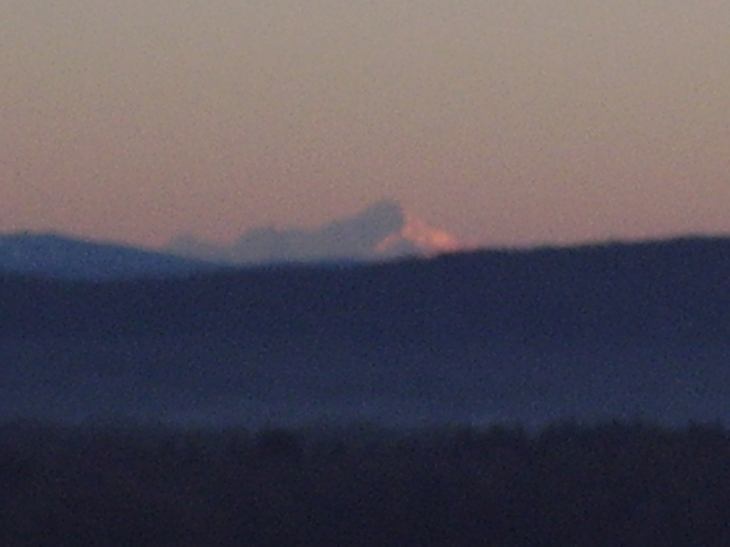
column 661, row 289
column 598, row 330
column 53, row 255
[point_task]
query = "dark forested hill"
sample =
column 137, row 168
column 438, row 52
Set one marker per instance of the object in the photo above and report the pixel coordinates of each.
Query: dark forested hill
column 609, row 330
column 656, row 289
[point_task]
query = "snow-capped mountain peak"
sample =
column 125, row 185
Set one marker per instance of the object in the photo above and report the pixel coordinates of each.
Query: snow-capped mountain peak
column 382, row 230
column 419, row 237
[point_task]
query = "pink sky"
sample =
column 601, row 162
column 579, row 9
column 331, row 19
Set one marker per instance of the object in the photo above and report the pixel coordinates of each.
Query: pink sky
column 506, row 123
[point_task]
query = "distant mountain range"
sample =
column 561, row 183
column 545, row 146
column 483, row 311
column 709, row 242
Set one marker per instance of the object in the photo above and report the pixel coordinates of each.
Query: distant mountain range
column 383, row 230
column 52, row 255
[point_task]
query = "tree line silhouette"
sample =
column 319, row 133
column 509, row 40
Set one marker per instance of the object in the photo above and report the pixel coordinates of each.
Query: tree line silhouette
column 630, row 484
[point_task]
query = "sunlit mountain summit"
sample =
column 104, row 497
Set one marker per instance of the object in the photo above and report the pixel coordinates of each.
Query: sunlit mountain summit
column 384, row 230
column 416, row 237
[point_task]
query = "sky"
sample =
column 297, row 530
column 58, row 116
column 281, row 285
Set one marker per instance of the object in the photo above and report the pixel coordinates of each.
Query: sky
column 507, row 123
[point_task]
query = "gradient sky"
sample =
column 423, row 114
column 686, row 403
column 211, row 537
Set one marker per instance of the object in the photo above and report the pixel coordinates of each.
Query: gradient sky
column 505, row 122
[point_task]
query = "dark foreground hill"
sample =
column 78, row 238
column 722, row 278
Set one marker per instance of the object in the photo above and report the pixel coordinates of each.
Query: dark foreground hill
column 615, row 484
column 639, row 329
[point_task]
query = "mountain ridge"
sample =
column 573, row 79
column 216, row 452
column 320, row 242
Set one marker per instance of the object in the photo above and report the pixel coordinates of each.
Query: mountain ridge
column 57, row 256
column 603, row 331
column 383, row 230
column 659, row 286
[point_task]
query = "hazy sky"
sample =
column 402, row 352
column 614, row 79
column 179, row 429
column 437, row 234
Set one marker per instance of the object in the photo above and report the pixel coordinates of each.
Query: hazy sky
column 503, row 121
